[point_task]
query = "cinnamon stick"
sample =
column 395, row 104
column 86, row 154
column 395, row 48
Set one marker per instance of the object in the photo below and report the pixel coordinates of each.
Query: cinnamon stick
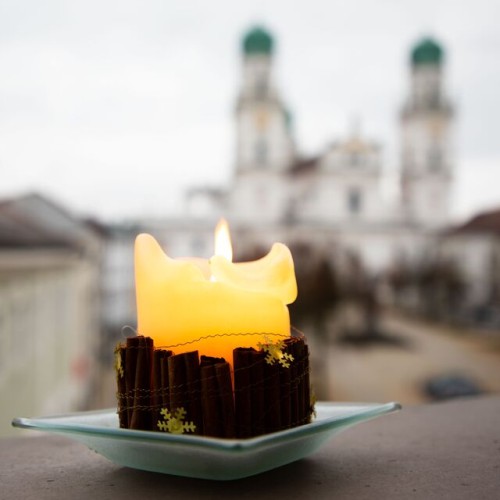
column 159, row 385
column 216, row 397
column 285, row 392
column 272, row 397
column 294, row 383
column 130, row 369
column 165, row 393
column 258, row 392
column 121, row 395
column 250, row 382
column 242, row 359
column 301, row 381
column 307, row 387
column 304, row 385
column 141, row 414
column 185, row 388
column 224, row 381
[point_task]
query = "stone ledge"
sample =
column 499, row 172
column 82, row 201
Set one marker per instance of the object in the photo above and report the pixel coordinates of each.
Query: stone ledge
column 447, row 450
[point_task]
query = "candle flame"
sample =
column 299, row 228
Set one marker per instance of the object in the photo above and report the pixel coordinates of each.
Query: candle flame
column 223, row 245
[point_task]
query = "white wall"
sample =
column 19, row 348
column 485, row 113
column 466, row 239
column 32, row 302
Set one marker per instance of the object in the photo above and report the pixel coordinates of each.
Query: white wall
column 49, row 327
column 473, row 254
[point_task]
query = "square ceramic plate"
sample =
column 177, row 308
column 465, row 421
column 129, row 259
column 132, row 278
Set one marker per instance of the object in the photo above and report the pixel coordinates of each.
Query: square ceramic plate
column 203, row 457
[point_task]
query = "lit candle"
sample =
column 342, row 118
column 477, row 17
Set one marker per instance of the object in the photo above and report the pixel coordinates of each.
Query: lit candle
column 223, row 304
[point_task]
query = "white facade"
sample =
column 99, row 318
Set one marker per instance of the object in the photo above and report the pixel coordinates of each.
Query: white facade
column 343, row 187
column 49, row 310
column 118, row 280
column 474, row 255
column 474, row 248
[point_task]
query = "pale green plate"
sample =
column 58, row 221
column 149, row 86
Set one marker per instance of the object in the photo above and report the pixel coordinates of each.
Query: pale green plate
column 202, row 457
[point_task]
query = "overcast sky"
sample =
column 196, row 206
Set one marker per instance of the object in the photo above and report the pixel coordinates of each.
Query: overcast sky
column 115, row 107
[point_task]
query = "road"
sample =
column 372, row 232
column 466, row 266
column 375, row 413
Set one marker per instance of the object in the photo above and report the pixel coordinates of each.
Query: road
column 384, row 372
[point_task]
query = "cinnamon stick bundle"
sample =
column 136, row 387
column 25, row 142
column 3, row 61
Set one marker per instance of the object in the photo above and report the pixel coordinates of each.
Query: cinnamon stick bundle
column 267, row 397
column 216, row 397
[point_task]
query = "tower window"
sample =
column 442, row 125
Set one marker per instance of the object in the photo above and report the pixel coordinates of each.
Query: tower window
column 261, row 86
column 434, row 158
column 409, row 155
column 355, row 159
column 198, row 246
column 354, row 201
column 261, row 152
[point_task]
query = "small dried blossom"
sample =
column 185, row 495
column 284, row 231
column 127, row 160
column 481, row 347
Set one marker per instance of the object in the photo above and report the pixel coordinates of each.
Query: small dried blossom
column 118, row 362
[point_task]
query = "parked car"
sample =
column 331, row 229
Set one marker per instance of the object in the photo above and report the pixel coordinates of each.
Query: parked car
column 450, row 386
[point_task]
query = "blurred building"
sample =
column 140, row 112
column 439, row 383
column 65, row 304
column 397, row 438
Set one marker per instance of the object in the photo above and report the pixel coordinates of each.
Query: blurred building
column 118, row 281
column 179, row 236
column 474, row 248
column 50, row 263
column 331, row 202
column 334, row 200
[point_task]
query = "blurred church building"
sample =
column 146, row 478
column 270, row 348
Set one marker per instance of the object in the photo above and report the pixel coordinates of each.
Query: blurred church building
column 332, row 203
column 333, row 200
column 50, row 308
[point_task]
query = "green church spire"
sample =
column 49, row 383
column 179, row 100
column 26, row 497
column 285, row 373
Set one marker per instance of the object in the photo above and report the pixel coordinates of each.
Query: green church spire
column 427, row 51
column 257, row 41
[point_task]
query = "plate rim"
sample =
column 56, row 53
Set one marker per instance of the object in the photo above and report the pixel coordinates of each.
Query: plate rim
column 362, row 412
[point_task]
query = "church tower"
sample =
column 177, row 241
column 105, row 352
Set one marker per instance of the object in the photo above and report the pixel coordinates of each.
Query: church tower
column 263, row 124
column 426, row 117
column 264, row 147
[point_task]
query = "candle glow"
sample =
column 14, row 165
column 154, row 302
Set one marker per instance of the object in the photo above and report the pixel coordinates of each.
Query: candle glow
column 185, row 308
column 222, row 239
